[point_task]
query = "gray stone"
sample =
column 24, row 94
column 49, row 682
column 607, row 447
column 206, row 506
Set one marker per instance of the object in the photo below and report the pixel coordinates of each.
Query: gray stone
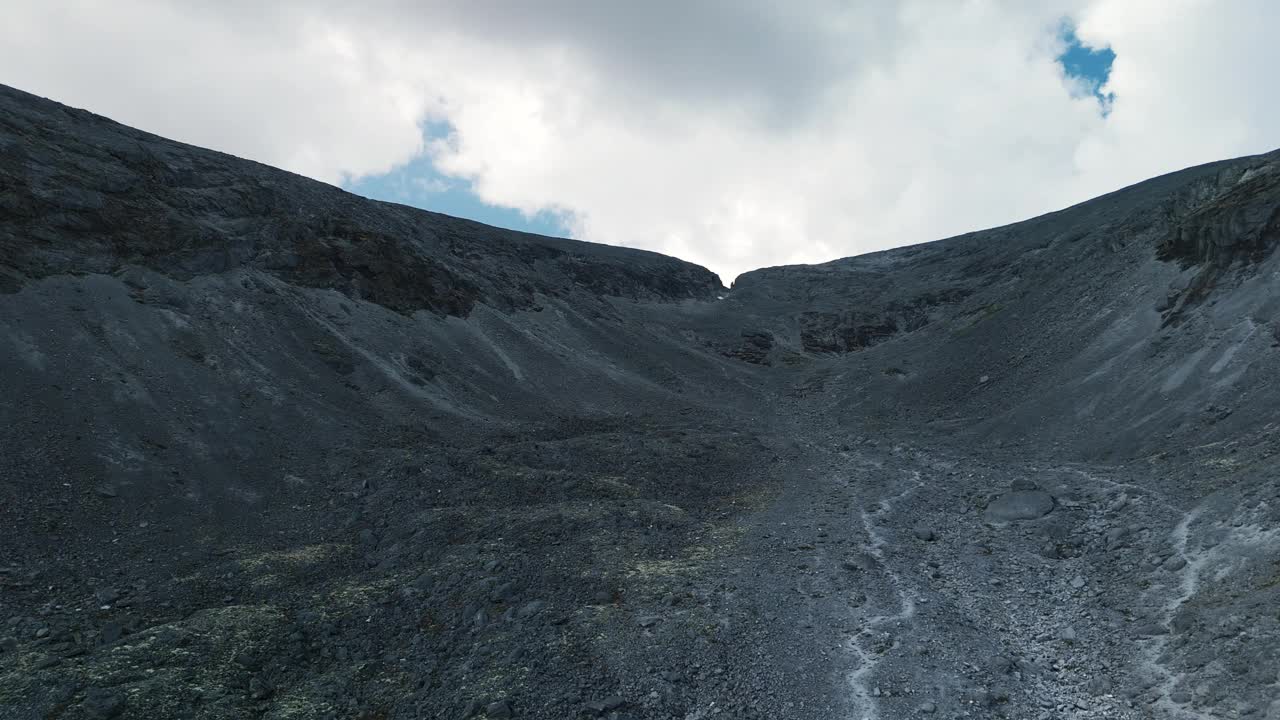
column 499, row 710
column 259, row 688
column 503, row 592
column 1098, row 685
column 47, row 661
column 101, row 703
column 1183, row 621
column 531, row 608
column 607, row 705
column 1020, row 505
column 1150, row 630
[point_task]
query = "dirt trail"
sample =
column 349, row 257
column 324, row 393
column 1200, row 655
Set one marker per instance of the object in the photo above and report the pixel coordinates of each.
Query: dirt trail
column 904, row 598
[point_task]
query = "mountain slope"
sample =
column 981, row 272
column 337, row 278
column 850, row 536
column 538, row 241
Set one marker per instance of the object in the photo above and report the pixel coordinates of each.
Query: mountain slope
column 273, row 449
column 1103, row 312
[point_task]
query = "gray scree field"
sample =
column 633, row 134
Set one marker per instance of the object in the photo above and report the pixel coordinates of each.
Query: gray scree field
column 269, row 449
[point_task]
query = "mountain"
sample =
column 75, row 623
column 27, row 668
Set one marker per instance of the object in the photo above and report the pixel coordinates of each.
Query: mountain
column 270, row 449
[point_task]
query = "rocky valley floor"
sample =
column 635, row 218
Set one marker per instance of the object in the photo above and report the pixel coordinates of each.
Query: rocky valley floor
column 844, row 577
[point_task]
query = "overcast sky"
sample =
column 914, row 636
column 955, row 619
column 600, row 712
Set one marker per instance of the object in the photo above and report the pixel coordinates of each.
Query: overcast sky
column 735, row 133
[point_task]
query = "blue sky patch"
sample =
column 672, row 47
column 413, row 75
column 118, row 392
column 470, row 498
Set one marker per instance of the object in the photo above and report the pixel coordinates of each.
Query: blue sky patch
column 419, row 184
column 1088, row 65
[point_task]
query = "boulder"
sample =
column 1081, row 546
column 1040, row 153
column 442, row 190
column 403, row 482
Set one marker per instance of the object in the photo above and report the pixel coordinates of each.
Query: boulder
column 1020, row 505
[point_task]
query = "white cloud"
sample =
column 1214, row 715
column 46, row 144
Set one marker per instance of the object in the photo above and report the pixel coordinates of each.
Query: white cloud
column 1193, row 83
column 735, row 134
column 286, row 88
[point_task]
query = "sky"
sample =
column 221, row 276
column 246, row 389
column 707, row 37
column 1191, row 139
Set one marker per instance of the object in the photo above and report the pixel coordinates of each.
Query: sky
column 733, row 133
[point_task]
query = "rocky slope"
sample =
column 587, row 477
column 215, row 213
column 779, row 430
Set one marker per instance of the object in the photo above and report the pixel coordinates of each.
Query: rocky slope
column 274, row 450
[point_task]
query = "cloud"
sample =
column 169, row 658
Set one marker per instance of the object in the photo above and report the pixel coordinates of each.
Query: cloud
column 285, row 87
column 735, row 134
column 1191, row 80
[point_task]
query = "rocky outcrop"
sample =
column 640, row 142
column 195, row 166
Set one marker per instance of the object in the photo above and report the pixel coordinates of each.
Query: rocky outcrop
column 754, row 348
column 849, row 331
column 1240, row 222
column 1238, row 226
column 854, row 330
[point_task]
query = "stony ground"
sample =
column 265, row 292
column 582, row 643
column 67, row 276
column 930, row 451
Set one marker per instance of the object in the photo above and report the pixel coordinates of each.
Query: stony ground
column 271, row 450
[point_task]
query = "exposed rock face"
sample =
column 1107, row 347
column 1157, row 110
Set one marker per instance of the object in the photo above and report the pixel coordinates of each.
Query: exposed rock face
column 844, row 332
column 1239, row 225
column 755, row 347
column 1240, row 221
column 853, row 330
column 318, row 456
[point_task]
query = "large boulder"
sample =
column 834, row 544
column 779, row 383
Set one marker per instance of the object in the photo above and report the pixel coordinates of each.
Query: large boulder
column 1020, row 505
